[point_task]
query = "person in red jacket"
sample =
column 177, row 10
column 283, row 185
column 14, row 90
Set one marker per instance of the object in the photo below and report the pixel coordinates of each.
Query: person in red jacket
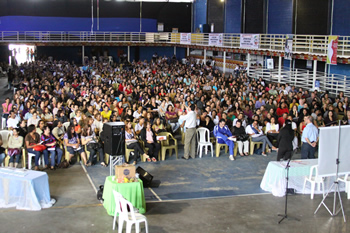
column 282, row 109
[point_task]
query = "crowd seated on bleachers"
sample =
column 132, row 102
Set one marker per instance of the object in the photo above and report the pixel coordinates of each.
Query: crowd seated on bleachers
column 67, row 105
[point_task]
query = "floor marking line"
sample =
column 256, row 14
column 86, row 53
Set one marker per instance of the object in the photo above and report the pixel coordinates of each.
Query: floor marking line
column 55, row 207
column 154, row 193
column 203, row 198
column 89, row 178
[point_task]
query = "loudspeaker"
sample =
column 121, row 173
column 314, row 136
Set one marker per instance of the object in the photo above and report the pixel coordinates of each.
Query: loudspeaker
column 144, row 176
column 206, row 28
column 114, row 138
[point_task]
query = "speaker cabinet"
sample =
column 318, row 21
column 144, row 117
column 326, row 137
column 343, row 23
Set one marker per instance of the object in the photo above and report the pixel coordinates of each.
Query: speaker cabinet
column 114, row 138
column 144, row 176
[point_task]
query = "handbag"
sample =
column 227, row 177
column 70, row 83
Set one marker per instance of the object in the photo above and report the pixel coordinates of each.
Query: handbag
column 242, row 137
column 39, row 148
column 13, row 151
column 93, row 146
column 173, row 120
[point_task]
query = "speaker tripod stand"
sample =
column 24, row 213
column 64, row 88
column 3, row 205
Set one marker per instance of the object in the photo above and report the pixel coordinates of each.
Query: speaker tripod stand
column 113, row 161
column 285, row 216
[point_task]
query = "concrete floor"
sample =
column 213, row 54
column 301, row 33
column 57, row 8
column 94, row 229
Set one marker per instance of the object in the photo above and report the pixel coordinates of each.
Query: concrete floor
column 77, row 210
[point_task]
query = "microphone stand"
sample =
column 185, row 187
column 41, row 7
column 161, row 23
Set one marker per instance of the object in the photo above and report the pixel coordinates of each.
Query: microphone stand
column 285, row 216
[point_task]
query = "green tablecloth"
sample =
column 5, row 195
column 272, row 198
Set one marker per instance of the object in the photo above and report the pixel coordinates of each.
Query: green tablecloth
column 132, row 192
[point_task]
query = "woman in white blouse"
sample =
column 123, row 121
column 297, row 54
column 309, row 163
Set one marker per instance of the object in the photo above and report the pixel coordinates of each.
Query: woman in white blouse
column 272, row 130
column 132, row 142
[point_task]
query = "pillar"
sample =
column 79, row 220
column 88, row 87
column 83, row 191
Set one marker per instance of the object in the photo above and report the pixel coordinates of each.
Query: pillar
column 279, row 68
column 188, row 51
column 205, row 56
column 314, row 74
column 224, row 64
column 175, row 50
column 82, row 55
column 128, row 53
column 248, row 63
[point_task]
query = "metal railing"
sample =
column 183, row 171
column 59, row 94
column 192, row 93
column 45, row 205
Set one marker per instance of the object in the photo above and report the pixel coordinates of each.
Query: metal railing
column 302, row 44
column 304, row 78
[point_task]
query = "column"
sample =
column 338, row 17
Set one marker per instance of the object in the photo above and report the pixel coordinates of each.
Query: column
column 224, row 64
column 205, row 56
column 248, row 63
column 314, row 74
column 188, row 51
column 128, row 53
column 279, row 68
column 175, row 50
column 82, row 55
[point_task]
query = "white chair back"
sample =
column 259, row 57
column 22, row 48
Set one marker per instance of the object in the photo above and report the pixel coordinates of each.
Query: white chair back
column 66, row 125
column 314, row 173
column 203, row 135
column 124, row 210
column 117, row 196
column 5, row 134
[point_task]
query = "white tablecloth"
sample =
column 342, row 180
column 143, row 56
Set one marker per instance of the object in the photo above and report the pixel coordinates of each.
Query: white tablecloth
column 25, row 189
column 274, row 179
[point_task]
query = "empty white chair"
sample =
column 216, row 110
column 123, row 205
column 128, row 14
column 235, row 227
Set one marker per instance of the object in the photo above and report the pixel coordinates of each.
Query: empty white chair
column 117, row 196
column 346, row 180
column 203, row 139
column 130, row 217
column 30, row 156
column 3, row 123
column 314, row 179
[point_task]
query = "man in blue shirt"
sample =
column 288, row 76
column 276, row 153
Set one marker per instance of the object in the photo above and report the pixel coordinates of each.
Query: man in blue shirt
column 309, row 139
column 222, row 134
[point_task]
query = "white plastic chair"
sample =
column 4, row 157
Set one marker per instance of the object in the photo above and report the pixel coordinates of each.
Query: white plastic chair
column 203, row 139
column 3, row 123
column 346, row 180
column 117, row 196
column 314, row 179
column 30, row 156
column 130, row 217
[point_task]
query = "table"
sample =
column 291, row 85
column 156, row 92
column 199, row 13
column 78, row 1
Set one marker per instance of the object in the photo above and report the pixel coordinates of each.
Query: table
column 274, row 179
column 24, row 189
column 132, row 192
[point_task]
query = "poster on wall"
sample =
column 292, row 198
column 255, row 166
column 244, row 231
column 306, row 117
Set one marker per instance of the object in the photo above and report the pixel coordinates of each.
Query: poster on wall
column 185, row 38
column 215, row 39
column 288, row 47
column 250, row 41
column 332, row 50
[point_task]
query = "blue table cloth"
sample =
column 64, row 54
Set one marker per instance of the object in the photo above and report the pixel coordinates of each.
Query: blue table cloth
column 24, row 189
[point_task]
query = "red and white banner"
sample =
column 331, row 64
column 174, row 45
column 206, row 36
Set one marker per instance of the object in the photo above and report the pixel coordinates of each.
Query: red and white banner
column 215, row 39
column 332, row 50
column 185, row 38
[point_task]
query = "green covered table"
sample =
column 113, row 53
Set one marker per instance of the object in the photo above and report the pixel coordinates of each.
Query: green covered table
column 132, row 192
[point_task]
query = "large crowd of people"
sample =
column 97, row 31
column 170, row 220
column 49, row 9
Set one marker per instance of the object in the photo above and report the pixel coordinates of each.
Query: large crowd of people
column 63, row 107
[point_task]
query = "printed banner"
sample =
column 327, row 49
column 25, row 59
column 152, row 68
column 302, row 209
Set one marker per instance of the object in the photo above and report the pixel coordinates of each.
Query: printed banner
column 288, row 48
column 215, row 39
column 332, row 50
column 185, row 38
column 250, row 41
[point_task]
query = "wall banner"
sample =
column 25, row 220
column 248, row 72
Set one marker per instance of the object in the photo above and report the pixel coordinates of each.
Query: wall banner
column 250, row 41
column 215, row 39
column 185, row 38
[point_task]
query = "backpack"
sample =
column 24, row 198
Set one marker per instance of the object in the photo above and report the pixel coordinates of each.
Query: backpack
column 258, row 151
column 100, row 193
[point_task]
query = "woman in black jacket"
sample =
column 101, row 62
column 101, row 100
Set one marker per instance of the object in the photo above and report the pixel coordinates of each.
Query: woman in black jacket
column 149, row 138
column 284, row 140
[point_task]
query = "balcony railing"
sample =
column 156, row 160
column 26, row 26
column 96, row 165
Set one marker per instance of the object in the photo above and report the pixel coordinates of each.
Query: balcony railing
column 302, row 44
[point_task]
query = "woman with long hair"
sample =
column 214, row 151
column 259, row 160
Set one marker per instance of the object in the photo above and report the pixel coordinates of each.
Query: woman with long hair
column 89, row 139
column 132, row 142
column 72, row 141
column 50, row 142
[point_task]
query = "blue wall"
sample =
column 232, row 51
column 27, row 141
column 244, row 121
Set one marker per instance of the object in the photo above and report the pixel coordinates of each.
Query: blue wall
column 342, row 69
column 233, row 16
column 199, row 14
column 280, row 19
column 33, row 23
column 341, row 18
